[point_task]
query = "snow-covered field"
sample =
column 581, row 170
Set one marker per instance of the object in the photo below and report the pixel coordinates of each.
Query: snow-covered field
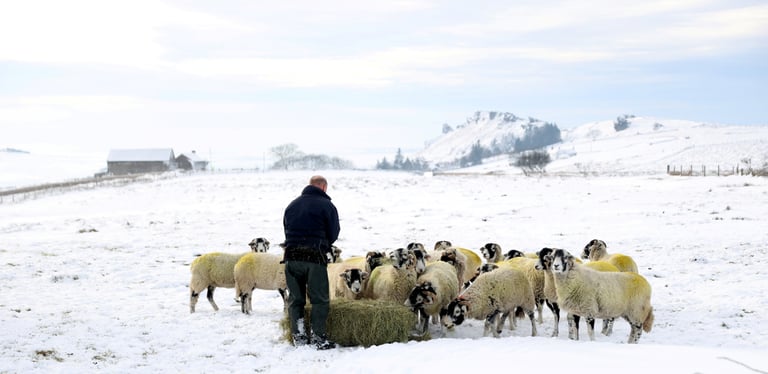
column 96, row 279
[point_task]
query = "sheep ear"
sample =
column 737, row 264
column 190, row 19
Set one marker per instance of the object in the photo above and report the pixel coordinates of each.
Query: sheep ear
column 363, row 275
column 569, row 262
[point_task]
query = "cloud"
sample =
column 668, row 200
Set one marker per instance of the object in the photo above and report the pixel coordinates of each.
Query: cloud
column 123, row 33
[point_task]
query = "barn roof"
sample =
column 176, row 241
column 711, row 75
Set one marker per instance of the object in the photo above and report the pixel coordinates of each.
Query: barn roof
column 192, row 156
column 146, row 154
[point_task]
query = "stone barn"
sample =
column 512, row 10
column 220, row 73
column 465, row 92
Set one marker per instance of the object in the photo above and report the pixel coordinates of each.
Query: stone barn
column 131, row 161
column 191, row 161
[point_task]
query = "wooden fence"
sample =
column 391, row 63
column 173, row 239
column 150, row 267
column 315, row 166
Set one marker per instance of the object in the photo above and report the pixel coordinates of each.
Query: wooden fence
column 702, row 170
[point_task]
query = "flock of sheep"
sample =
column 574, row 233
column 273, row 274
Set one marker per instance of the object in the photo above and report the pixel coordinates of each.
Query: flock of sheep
column 449, row 284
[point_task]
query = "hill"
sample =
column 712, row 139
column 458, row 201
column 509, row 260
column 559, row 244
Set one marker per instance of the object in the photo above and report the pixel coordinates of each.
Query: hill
column 647, row 145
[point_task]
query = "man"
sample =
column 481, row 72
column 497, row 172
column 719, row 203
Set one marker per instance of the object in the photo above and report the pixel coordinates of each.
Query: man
column 311, row 225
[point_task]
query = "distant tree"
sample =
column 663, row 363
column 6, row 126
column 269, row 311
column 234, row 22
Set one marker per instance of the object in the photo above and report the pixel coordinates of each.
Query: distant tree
column 533, row 161
column 621, row 123
column 398, row 163
column 537, row 137
column 290, row 158
column 475, row 156
column 383, row 164
column 284, row 152
column 447, row 128
column 402, row 163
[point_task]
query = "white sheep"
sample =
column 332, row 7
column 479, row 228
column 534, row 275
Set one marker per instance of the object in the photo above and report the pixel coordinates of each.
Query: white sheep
column 259, row 270
column 216, row 269
column 465, row 260
column 390, row 282
column 597, row 250
column 493, row 296
column 421, row 255
column 435, row 288
column 528, row 266
column 346, row 279
column 594, row 294
column 544, row 264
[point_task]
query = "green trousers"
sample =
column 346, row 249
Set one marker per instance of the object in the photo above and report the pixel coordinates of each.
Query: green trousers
column 307, row 279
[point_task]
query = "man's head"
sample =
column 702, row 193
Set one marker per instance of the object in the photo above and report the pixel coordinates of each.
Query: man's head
column 319, row 181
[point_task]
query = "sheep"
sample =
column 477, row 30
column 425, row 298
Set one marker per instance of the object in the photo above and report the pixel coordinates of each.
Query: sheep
column 216, row 269
column 259, row 270
column 596, row 250
column 392, row 282
column 435, row 289
column 493, row 296
column 465, row 260
column 594, row 294
column 550, row 294
column 259, row 245
column 493, row 254
column 345, row 281
column 421, row 256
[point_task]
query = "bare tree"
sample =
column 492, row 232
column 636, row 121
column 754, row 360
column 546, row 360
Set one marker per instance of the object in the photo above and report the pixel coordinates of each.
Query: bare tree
column 285, row 152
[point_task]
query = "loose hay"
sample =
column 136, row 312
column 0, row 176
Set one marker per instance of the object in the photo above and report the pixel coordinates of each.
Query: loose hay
column 363, row 323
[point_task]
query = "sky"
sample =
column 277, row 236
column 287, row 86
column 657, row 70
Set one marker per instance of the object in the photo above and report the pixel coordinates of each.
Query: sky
column 96, row 278
column 360, row 79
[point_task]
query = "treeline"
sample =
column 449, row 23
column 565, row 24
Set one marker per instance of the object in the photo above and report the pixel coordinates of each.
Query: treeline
column 402, row 163
column 289, row 157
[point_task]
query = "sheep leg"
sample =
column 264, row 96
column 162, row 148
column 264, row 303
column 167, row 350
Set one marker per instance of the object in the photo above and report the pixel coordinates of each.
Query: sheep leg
column 491, row 324
column 634, row 334
column 533, row 323
column 556, row 313
column 209, row 295
column 591, row 328
column 193, row 296
column 539, row 309
column 573, row 326
column 245, row 298
column 284, row 295
column 503, row 318
column 512, row 320
column 607, row 326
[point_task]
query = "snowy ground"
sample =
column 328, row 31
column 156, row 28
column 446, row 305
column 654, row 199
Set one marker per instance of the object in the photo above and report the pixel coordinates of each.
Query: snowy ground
column 96, row 279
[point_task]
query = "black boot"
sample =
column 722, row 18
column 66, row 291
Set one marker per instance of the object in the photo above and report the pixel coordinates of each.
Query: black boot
column 321, row 342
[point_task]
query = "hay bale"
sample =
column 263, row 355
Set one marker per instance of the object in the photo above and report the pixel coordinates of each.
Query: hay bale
column 363, row 323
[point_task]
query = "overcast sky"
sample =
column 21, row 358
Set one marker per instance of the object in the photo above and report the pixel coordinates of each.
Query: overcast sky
column 349, row 78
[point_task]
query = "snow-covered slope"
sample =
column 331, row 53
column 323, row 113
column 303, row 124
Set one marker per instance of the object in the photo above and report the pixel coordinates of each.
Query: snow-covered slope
column 492, row 130
column 648, row 146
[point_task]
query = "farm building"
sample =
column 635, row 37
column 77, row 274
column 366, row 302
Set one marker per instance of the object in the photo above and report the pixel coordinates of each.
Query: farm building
column 129, row 161
column 191, row 161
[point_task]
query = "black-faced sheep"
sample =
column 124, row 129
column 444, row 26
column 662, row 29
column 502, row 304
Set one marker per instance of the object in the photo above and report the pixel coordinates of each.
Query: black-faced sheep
column 597, row 250
column 435, row 289
column 216, row 269
column 346, row 280
column 393, row 282
column 492, row 296
column 516, row 260
column 594, row 294
column 258, row 270
column 544, row 264
column 464, row 260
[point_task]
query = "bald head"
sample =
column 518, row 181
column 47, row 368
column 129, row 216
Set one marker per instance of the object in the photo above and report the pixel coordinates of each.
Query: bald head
column 319, row 181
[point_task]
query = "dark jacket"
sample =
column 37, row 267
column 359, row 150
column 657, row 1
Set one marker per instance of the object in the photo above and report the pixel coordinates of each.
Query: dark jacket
column 311, row 221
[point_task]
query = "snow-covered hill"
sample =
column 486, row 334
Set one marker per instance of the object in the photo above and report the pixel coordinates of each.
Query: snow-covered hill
column 492, row 130
column 647, row 146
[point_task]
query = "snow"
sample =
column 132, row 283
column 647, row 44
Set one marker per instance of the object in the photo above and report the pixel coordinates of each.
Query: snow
column 96, row 278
